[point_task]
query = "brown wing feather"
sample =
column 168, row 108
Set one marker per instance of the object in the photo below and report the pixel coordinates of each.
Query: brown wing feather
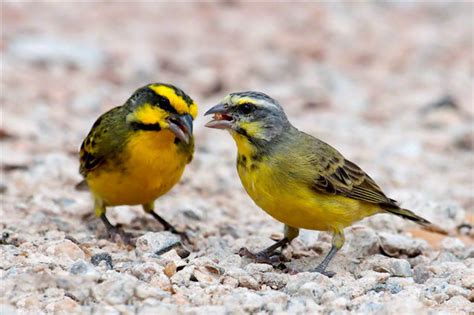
column 99, row 143
column 342, row 177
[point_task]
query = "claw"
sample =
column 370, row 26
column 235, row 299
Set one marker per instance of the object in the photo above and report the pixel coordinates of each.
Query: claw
column 327, row 273
column 263, row 257
column 184, row 237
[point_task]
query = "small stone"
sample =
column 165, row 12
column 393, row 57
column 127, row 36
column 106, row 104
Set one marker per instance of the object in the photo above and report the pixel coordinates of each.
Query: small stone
column 460, row 304
column 312, row 290
column 156, row 244
column 369, row 279
column 362, row 242
column 144, row 291
column 97, row 258
column 394, row 266
column 454, row 290
column 421, row 274
column 66, row 306
column 183, row 277
column 328, row 297
column 204, row 276
column 247, row 281
column 400, row 268
column 275, row 280
column 392, row 288
column 115, row 291
column 435, row 289
column 468, row 281
column 296, row 282
column 194, row 214
column 396, row 245
column 370, row 308
column 147, row 271
column 170, row 269
column 455, row 246
column 162, row 309
column 253, row 268
column 66, row 249
column 229, row 281
column 445, row 257
column 79, row 267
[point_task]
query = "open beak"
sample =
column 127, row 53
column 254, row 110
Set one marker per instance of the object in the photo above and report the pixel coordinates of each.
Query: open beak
column 221, row 120
column 181, row 126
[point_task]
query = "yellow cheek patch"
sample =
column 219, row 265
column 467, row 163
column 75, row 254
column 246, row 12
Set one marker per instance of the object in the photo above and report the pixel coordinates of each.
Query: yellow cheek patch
column 181, row 106
column 253, row 129
column 148, row 114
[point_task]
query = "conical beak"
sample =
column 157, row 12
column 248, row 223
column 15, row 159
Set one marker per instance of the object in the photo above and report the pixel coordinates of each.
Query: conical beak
column 182, row 127
column 222, row 119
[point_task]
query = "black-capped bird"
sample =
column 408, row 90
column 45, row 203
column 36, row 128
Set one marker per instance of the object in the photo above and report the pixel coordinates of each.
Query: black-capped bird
column 299, row 180
column 137, row 152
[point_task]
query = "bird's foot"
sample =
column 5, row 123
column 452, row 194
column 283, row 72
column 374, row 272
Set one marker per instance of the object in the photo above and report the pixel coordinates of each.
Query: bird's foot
column 117, row 234
column 184, row 237
column 264, row 257
column 168, row 227
column 325, row 272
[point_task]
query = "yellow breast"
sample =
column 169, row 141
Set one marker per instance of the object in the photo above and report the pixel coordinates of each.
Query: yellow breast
column 295, row 203
column 150, row 166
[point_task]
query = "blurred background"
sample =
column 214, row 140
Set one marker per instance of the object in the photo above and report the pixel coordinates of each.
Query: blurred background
column 388, row 84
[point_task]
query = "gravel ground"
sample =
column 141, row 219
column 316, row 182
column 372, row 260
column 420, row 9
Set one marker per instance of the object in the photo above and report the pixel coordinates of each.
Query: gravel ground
column 389, row 85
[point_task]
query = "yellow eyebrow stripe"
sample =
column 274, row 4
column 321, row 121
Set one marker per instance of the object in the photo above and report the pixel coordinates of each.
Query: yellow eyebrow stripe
column 175, row 100
column 245, row 100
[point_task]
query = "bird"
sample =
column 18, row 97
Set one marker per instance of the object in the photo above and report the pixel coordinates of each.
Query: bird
column 136, row 152
column 296, row 178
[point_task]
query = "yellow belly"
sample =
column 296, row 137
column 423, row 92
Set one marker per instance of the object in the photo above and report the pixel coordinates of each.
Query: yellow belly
column 151, row 166
column 297, row 205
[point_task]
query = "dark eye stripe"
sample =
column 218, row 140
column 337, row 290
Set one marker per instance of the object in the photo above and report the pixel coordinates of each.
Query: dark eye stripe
column 161, row 101
column 149, row 127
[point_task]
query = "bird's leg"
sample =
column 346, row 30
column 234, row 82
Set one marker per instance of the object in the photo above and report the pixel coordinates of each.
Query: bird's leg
column 112, row 230
column 149, row 208
column 337, row 243
column 267, row 255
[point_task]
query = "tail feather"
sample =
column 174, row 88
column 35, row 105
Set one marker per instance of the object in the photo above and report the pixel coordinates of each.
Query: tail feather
column 407, row 214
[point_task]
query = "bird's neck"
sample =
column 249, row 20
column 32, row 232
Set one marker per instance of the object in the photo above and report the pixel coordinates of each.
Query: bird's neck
column 244, row 145
column 252, row 146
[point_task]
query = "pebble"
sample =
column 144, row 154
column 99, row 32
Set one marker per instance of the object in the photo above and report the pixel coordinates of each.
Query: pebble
column 396, row 245
column 80, row 267
column 66, row 249
column 468, row 280
column 454, row 246
column 362, row 242
column 460, row 304
column 275, row 280
column 156, row 244
column 117, row 290
column 97, row 258
column 394, row 266
column 421, row 274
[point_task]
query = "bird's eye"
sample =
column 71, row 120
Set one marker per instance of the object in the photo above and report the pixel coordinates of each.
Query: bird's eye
column 246, row 108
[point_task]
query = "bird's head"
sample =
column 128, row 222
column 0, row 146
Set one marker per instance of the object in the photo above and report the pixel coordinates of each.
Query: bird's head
column 159, row 106
column 253, row 115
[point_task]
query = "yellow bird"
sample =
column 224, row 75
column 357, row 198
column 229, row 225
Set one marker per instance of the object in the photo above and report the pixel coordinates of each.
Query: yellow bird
column 299, row 180
column 137, row 152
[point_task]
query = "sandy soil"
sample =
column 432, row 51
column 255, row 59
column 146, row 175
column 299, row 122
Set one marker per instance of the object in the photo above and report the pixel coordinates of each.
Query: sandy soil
column 389, row 85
